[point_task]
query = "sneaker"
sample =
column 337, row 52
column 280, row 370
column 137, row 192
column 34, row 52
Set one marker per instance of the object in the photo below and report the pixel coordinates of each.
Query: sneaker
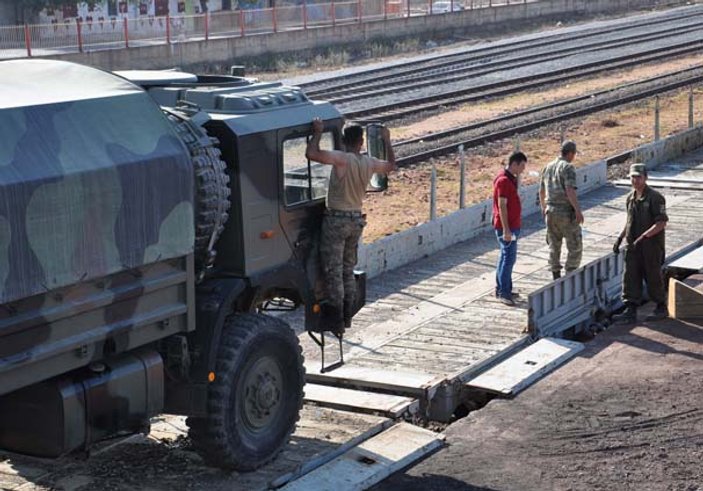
column 507, row 301
column 660, row 312
column 512, row 294
column 628, row 316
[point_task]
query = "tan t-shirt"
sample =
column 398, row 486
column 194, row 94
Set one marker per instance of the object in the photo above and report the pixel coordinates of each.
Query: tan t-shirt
column 347, row 193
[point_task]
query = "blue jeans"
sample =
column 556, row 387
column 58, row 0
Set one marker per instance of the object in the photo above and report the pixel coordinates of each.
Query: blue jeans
column 506, row 261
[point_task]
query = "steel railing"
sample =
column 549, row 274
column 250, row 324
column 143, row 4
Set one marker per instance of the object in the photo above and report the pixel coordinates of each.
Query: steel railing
column 80, row 35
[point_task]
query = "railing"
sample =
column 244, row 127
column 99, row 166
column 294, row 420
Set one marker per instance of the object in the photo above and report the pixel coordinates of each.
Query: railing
column 77, row 35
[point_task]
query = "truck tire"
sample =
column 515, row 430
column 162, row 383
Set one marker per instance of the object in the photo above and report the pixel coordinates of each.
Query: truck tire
column 255, row 399
column 211, row 200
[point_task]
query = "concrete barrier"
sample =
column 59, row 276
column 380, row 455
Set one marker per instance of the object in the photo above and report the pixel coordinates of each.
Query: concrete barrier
column 669, row 148
column 193, row 54
column 425, row 239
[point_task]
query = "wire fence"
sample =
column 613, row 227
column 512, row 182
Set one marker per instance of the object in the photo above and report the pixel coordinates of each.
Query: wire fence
column 79, row 35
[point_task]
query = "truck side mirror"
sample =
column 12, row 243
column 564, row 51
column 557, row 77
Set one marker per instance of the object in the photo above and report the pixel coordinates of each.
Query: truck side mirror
column 376, row 148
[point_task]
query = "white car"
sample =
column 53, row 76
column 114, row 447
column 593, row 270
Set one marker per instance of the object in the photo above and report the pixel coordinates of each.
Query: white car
column 444, row 6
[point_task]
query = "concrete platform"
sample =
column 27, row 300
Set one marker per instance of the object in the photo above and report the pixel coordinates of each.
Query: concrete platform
column 626, row 414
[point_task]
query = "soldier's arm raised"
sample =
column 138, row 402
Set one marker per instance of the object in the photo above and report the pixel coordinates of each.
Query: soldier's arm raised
column 313, row 151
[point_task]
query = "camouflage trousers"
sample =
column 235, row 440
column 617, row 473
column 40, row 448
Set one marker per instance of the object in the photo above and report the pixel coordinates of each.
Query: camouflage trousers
column 338, row 253
column 564, row 228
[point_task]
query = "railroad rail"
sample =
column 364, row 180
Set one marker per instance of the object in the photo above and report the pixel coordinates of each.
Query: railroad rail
column 481, row 65
column 516, row 122
column 332, row 84
column 422, row 104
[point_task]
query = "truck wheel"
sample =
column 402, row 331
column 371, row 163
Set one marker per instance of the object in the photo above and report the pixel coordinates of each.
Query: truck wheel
column 212, row 191
column 255, row 399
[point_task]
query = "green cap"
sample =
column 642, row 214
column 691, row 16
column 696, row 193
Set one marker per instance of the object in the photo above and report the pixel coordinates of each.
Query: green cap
column 638, row 170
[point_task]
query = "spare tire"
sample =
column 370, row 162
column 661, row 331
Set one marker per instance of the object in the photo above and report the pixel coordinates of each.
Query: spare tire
column 211, row 200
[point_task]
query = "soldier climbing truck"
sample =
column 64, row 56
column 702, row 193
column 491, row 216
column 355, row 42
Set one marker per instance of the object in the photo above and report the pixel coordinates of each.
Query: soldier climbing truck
column 147, row 223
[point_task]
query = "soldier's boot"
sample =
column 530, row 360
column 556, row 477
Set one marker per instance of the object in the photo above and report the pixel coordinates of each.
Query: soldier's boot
column 628, row 316
column 660, row 312
column 556, row 275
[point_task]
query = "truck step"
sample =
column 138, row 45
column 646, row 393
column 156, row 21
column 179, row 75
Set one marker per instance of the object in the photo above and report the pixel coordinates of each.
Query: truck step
column 358, row 401
column 372, row 461
column 526, row 367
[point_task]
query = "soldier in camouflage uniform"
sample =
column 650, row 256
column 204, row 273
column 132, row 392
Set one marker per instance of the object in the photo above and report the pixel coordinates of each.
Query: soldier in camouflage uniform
column 644, row 252
column 343, row 221
column 561, row 210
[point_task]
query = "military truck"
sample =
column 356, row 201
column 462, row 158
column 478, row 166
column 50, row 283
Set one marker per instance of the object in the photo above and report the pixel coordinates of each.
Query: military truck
column 147, row 223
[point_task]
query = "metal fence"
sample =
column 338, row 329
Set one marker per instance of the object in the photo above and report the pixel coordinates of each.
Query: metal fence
column 77, row 35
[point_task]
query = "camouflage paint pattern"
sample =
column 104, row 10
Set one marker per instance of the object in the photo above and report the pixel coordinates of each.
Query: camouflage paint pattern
column 88, row 188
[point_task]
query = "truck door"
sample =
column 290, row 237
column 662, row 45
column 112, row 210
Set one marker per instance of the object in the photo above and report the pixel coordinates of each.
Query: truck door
column 304, row 188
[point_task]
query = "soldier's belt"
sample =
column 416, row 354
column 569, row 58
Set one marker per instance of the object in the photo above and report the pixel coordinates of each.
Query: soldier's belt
column 344, row 213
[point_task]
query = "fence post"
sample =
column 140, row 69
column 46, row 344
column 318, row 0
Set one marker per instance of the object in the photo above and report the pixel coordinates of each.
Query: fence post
column 28, row 40
column 430, row 10
column 126, row 32
column 433, row 192
column 656, row 119
column 690, row 107
column 207, row 25
column 241, row 22
column 273, row 16
column 462, row 177
column 305, row 14
column 168, row 28
column 358, row 8
column 451, row 6
column 334, row 14
column 79, row 35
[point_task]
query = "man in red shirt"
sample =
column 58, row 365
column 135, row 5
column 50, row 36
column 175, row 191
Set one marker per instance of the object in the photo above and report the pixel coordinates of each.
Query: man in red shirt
column 507, row 220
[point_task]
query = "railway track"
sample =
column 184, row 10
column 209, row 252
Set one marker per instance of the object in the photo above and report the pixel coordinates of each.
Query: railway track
column 479, row 133
column 337, row 83
column 402, row 109
column 466, row 70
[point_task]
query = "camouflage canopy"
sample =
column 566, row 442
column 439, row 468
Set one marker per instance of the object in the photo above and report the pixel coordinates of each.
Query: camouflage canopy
column 93, row 178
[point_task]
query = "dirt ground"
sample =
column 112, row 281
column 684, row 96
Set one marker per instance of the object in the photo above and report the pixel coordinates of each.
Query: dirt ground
column 598, row 136
column 626, row 414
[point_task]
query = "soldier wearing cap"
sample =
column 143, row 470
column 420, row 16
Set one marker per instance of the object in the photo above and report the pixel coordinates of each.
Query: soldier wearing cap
column 561, row 210
column 343, row 221
column 644, row 249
